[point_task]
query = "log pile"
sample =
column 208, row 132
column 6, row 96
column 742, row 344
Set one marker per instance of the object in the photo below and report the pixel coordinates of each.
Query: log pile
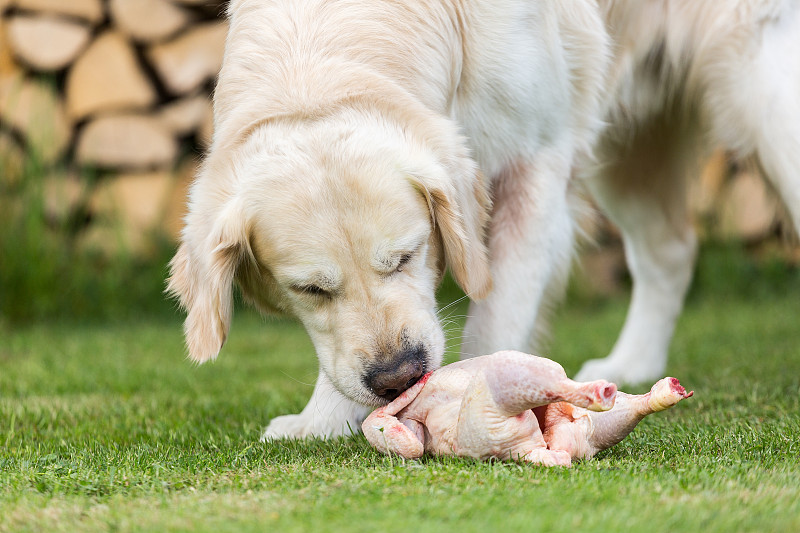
column 122, row 87
column 116, row 89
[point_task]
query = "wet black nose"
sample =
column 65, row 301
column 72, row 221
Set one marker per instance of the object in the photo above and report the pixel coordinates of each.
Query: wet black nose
column 389, row 379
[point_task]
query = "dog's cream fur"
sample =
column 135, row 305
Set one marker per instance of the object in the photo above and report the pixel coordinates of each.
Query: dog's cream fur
column 357, row 145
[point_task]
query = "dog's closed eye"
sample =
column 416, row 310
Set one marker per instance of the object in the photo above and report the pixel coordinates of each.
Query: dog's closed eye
column 403, row 261
column 312, row 290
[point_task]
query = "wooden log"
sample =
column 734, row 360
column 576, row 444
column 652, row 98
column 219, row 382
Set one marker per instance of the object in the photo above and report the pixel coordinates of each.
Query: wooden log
column 33, row 108
column 704, row 192
column 601, row 271
column 88, row 10
column 748, row 209
column 63, row 192
column 8, row 66
column 128, row 208
column 107, row 77
column 148, row 20
column 45, row 42
column 185, row 116
column 126, row 142
column 12, row 160
column 185, row 63
column 139, row 198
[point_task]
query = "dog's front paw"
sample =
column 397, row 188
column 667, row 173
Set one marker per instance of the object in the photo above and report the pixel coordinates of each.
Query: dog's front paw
column 302, row 426
column 287, row 427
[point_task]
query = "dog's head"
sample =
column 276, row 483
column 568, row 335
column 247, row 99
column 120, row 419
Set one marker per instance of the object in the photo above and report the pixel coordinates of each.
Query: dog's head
column 346, row 221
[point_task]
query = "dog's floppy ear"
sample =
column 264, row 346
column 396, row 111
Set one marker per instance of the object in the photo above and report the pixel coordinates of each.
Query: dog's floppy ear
column 201, row 277
column 460, row 206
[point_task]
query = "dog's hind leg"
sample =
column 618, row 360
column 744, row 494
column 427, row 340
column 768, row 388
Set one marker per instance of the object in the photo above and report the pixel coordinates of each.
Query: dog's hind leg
column 760, row 113
column 530, row 244
column 642, row 188
column 780, row 160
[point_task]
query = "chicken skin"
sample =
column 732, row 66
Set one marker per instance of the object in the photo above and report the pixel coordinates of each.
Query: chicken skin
column 511, row 405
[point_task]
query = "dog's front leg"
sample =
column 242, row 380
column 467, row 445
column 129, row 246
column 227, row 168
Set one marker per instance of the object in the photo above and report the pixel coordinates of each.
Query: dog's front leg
column 530, row 246
column 328, row 414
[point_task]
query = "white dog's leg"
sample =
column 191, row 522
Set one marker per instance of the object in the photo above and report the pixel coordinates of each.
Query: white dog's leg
column 763, row 113
column 531, row 243
column 783, row 168
column 644, row 193
column 328, row 414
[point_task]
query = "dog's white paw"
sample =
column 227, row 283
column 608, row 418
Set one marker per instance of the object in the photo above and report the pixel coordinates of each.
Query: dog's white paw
column 301, row 426
column 616, row 370
column 287, row 427
column 328, row 414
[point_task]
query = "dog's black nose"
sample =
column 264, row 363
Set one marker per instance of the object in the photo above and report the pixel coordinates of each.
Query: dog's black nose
column 389, row 379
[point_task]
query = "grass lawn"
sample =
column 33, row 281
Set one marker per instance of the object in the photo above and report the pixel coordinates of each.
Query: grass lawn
column 105, row 426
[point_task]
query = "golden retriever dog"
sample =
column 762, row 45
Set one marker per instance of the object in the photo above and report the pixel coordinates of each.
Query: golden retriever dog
column 687, row 76
column 363, row 147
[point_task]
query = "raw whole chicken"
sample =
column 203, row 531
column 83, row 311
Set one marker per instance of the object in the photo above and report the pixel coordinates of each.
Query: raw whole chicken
column 511, row 405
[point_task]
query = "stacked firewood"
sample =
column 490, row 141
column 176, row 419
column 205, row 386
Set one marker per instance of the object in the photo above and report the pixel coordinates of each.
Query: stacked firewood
column 121, row 87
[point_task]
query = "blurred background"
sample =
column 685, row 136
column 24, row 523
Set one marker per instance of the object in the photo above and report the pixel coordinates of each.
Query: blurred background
column 104, row 113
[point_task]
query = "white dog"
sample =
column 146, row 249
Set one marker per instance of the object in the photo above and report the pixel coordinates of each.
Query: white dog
column 361, row 148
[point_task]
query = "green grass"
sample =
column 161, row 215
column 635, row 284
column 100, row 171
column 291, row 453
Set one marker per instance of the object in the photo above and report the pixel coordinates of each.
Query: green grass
column 105, row 426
